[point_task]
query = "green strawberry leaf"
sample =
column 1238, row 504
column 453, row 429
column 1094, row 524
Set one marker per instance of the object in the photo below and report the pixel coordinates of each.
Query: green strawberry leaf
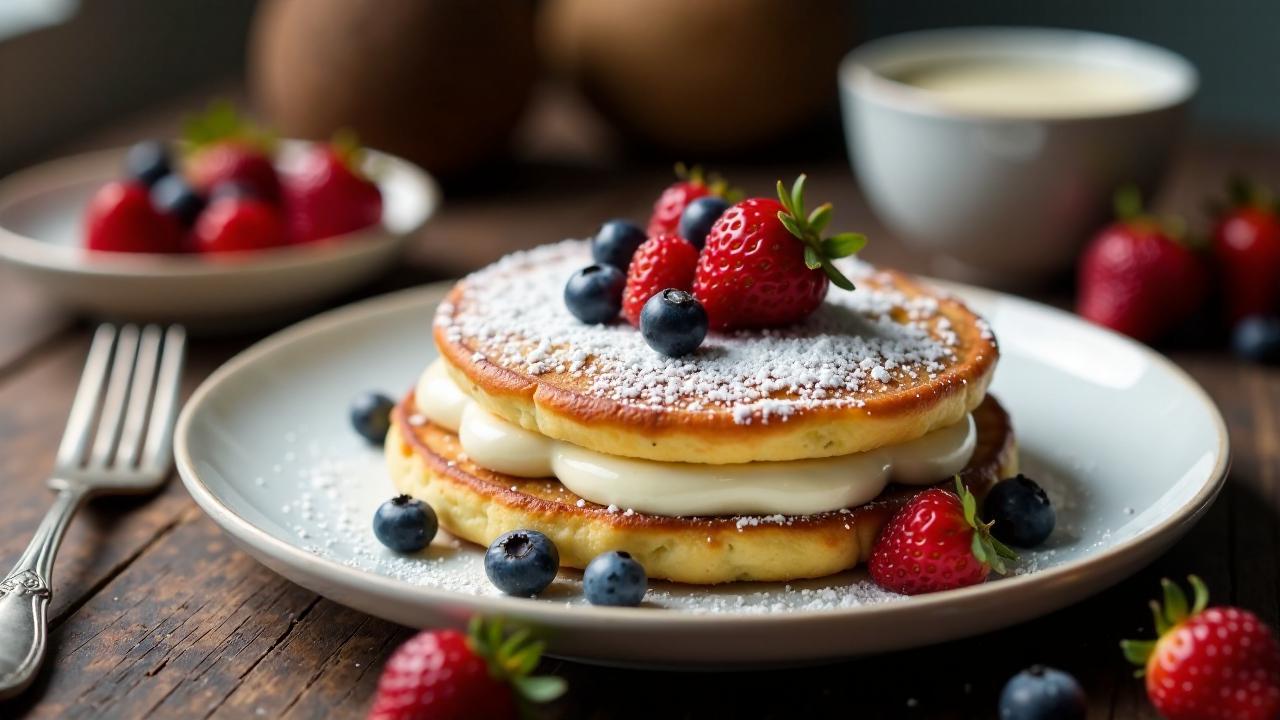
column 843, row 245
column 979, row 549
column 819, row 218
column 1201, row 594
column 797, row 196
column 1137, row 651
column 540, row 689
column 812, row 259
column 836, row 277
column 1175, row 602
column 791, row 225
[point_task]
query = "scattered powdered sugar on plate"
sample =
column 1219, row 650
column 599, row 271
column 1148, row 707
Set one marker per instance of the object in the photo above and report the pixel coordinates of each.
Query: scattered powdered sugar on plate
column 856, row 344
column 332, row 492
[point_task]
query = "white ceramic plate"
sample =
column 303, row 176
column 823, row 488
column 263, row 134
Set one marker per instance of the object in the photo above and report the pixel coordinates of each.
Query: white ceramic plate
column 41, row 237
column 1131, row 450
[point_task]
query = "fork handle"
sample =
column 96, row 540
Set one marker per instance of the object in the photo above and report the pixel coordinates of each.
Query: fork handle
column 25, row 593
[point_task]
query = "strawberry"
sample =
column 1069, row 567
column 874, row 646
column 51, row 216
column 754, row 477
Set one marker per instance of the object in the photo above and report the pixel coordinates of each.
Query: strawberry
column 690, row 186
column 936, row 542
column 663, row 261
column 446, row 675
column 1246, row 251
column 765, row 264
column 232, row 224
column 221, row 147
column 120, row 218
column 1220, row 662
column 1139, row 276
column 327, row 195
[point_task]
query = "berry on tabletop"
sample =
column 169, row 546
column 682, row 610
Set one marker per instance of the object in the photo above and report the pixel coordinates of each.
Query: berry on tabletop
column 404, row 524
column 663, row 261
column 371, row 416
column 446, row 675
column 1208, row 662
column 615, row 242
column 121, row 218
column 1139, row 275
column 522, row 562
column 1042, row 693
column 614, row 578
column 594, row 294
column 1257, row 338
column 766, row 263
column 147, row 161
column 1246, row 251
column 936, row 541
column 1020, row 512
column 673, row 323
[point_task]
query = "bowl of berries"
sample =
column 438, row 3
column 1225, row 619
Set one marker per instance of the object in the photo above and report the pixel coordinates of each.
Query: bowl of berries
column 227, row 227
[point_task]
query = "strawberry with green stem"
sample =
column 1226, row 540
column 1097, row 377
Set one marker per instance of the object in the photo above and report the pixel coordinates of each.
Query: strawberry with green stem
column 691, row 184
column 1207, row 662
column 446, row 675
column 767, row 264
column 221, row 147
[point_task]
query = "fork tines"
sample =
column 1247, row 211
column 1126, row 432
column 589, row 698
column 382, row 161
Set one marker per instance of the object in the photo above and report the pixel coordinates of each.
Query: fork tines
column 122, row 416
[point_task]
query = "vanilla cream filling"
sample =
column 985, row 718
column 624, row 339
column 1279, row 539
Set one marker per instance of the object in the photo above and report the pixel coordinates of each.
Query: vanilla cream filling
column 796, row 487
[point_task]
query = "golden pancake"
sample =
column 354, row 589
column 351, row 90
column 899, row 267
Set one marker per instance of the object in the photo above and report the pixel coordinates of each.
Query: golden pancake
column 478, row 505
column 882, row 365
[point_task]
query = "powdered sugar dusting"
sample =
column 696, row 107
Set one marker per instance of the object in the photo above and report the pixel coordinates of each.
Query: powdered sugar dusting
column 855, row 345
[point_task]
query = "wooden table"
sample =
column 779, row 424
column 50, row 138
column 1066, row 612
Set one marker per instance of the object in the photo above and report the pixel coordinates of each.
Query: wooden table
column 155, row 613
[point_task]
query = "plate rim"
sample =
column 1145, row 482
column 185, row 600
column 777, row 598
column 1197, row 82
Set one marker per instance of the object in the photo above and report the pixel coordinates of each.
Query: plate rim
column 551, row 613
column 29, row 252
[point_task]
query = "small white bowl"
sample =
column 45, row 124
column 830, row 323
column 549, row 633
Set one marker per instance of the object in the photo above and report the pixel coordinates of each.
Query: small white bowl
column 41, row 238
column 998, row 196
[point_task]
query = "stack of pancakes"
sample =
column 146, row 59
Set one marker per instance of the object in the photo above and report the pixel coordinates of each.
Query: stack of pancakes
column 882, row 366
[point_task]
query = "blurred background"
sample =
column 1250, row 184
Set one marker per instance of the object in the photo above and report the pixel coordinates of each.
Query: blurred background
column 71, row 66
column 540, row 119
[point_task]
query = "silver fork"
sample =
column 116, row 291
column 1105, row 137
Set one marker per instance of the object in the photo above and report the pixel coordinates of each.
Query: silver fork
column 119, row 440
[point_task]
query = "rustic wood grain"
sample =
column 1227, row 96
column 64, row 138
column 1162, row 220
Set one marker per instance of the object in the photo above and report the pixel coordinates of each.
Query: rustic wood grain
column 156, row 614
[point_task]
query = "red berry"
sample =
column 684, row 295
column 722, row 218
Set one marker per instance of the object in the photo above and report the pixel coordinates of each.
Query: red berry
column 437, row 676
column 445, row 675
column 765, row 263
column 1137, row 278
column 120, row 218
column 325, row 196
column 234, row 162
column 1220, row 662
column 1246, row 249
column 236, row 224
column 929, row 545
column 661, row 262
column 672, row 202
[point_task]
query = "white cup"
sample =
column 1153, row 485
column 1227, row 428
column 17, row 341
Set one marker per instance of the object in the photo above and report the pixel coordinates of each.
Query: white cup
column 999, row 195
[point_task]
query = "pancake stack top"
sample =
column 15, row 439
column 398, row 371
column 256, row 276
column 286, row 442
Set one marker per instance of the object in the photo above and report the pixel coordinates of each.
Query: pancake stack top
column 882, row 365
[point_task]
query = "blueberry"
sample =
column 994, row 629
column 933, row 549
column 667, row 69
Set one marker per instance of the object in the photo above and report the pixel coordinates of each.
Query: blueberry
column 615, row 242
column 1257, row 338
column 1042, row 693
column 172, row 195
column 371, row 416
column 1021, row 512
column 147, row 162
column 673, row 323
column 614, row 578
column 522, row 562
column 404, row 524
column 594, row 293
column 698, row 217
